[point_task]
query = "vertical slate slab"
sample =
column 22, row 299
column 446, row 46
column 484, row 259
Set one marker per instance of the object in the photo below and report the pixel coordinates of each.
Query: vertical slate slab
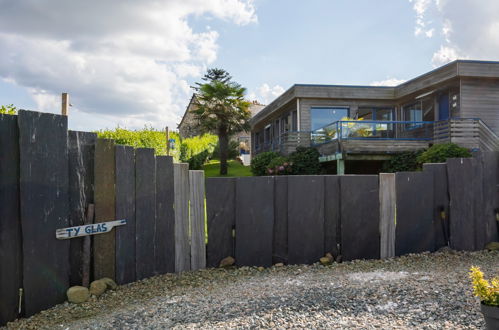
column 490, row 203
column 332, row 230
column 196, row 211
column 125, row 209
column 81, row 148
column 305, row 219
column 479, row 201
column 387, row 214
column 254, row 221
column 414, row 230
column 461, row 194
column 220, row 207
column 10, row 222
column 182, row 247
column 280, row 245
column 360, row 237
column 44, row 203
column 145, row 212
column 440, row 203
column 104, row 245
column 164, row 249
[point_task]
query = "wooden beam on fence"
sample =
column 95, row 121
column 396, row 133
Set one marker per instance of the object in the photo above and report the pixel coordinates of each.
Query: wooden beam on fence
column 198, row 238
column 280, row 241
column 332, row 219
column 125, row 209
column 10, row 222
column 182, row 248
column 81, row 149
column 87, row 247
column 164, row 248
column 65, row 104
column 387, row 220
column 220, row 205
column 145, row 212
column 490, row 162
column 104, row 250
column 44, row 204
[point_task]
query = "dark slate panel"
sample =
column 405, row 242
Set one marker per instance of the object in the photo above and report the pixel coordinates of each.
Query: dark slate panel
column 440, row 203
column 44, row 202
column 81, row 148
column 164, row 249
column 461, row 194
column 10, row 222
column 359, row 217
column 145, row 211
column 332, row 230
column 280, row 245
column 104, row 245
column 305, row 219
column 221, row 208
column 254, row 221
column 491, row 201
column 478, row 202
column 414, row 229
column 125, row 209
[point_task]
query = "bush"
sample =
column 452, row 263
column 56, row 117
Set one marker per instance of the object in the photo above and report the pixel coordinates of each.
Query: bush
column 233, row 150
column 195, row 145
column 260, row 162
column 305, row 161
column 279, row 166
column 8, row 109
column 403, row 162
column 438, row 153
column 487, row 291
column 196, row 162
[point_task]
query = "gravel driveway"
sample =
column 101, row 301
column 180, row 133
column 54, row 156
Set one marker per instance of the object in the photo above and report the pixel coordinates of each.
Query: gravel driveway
column 429, row 291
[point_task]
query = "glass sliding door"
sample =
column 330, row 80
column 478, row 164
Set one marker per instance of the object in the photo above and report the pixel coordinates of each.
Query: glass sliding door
column 323, row 116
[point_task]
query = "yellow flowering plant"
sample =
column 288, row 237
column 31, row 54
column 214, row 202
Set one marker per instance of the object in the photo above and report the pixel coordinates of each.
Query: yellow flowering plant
column 487, row 291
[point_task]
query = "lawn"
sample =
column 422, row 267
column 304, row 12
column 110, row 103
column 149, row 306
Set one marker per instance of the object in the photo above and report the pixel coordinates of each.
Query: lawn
column 212, row 169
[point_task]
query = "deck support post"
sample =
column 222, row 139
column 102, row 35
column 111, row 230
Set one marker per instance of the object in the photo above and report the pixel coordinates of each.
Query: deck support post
column 340, row 166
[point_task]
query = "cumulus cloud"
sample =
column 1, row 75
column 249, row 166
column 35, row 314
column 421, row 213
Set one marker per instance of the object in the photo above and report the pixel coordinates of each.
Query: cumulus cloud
column 388, row 82
column 266, row 94
column 126, row 61
column 469, row 29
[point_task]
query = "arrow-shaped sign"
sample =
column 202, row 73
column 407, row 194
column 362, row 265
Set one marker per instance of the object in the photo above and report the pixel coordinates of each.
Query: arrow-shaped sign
column 86, row 230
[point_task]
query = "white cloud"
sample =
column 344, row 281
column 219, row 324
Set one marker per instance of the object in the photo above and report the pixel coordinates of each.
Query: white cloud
column 266, row 94
column 125, row 61
column 469, row 29
column 388, row 82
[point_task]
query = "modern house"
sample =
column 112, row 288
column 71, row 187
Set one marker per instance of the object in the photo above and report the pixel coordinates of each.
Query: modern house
column 366, row 125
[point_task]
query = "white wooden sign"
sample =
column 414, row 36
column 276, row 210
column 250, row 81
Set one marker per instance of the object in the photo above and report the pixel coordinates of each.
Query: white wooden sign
column 86, row 230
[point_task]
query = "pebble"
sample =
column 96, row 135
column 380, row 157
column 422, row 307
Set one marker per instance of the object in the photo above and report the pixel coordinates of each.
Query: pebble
column 423, row 291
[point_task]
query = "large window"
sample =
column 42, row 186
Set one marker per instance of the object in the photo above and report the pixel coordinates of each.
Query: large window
column 322, row 116
column 383, row 114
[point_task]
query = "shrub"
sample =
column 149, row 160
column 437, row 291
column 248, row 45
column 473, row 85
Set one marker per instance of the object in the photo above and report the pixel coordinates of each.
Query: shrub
column 488, row 292
column 196, row 162
column 403, row 162
column 279, row 166
column 260, row 162
column 439, row 153
column 233, row 150
column 8, row 109
column 195, row 145
column 305, row 161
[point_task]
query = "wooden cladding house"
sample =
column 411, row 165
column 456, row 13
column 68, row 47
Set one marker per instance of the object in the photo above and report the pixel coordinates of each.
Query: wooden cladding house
column 458, row 102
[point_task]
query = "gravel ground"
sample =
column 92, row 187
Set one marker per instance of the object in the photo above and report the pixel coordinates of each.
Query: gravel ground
column 427, row 291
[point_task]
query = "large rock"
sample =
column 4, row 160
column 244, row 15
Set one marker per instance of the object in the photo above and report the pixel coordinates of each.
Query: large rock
column 111, row 285
column 492, row 246
column 227, row 262
column 98, row 287
column 78, row 294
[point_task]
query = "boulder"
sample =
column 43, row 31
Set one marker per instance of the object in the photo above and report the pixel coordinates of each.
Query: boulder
column 279, row 264
column 492, row 246
column 325, row 261
column 227, row 262
column 261, row 268
column 77, row 294
column 111, row 285
column 98, row 287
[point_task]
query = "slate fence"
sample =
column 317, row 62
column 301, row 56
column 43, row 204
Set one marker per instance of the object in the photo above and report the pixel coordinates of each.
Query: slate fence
column 50, row 177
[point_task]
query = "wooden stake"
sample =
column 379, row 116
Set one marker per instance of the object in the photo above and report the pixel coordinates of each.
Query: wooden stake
column 167, row 142
column 65, row 104
column 87, row 247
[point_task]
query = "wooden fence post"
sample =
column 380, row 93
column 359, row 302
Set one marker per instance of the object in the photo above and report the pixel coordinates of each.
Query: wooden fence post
column 181, row 186
column 198, row 245
column 387, row 209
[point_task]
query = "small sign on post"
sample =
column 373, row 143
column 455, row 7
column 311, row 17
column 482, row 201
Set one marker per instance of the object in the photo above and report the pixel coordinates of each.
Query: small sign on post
column 86, row 230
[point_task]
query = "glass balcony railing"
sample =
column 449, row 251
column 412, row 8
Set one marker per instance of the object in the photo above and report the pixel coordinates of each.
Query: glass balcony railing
column 373, row 130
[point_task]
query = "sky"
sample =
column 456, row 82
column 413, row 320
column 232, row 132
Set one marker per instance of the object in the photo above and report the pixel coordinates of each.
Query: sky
column 131, row 63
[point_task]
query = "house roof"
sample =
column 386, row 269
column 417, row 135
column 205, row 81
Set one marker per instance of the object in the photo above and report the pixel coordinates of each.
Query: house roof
column 458, row 68
column 187, row 109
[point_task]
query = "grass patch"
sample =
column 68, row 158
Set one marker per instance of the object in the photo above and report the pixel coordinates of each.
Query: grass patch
column 212, row 169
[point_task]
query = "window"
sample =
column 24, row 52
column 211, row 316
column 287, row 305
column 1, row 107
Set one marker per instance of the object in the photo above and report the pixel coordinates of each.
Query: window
column 368, row 113
column 322, row 116
column 413, row 112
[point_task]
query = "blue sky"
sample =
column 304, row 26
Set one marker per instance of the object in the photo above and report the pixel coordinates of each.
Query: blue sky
column 134, row 68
